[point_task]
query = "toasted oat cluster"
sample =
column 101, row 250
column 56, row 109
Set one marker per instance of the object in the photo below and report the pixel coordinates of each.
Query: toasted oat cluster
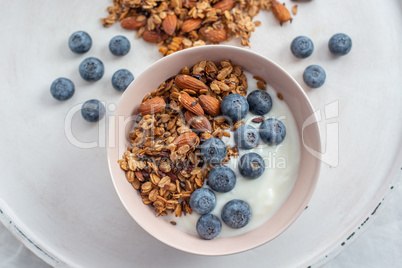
column 178, row 24
column 164, row 161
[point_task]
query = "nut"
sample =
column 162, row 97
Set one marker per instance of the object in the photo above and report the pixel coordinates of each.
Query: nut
column 189, row 138
column 169, row 24
column 210, row 105
column 190, row 25
column 153, row 36
column 281, row 13
column 224, row 5
column 132, row 23
column 199, row 122
column 151, row 106
column 191, row 104
column 184, row 81
column 213, row 35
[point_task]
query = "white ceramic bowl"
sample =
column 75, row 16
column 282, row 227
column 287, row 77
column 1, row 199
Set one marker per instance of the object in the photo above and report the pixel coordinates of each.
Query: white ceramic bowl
column 276, row 77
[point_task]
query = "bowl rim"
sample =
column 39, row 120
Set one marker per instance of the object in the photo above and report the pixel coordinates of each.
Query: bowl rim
column 318, row 147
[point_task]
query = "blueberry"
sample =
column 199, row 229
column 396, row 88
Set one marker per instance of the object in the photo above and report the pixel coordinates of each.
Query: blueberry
column 213, row 151
column 302, row 47
column 202, row 201
column 260, row 102
column 91, row 69
column 251, row 166
column 209, row 226
column 234, row 106
column 272, row 131
column 236, row 214
column 121, row 79
column 314, row 76
column 222, row 179
column 93, row 110
column 119, row 45
column 62, row 89
column 340, row 44
column 80, row 42
column 246, row 137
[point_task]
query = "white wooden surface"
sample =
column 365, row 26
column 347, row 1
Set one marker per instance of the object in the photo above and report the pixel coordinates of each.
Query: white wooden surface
column 58, row 199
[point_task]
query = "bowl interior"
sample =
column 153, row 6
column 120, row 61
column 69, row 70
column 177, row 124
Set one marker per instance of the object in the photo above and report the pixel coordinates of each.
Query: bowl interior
column 275, row 76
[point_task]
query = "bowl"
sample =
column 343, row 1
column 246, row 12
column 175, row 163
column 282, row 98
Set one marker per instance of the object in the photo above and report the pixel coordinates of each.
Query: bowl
column 300, row 107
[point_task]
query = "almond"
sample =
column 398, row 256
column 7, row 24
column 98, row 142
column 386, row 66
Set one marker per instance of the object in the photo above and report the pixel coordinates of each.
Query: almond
column 151, row 106
column 191, row 104
column 210, row 105
column 169, row 24
column 224, row 5
column 132, row 23
column 189, row 138
column 199, row 122
column 213, row 35
column 184, row 81
column 153, row 36
column 281, row 13
column 190, row 25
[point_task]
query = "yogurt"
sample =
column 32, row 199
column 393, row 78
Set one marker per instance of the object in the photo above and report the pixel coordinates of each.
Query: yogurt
column 266, row 194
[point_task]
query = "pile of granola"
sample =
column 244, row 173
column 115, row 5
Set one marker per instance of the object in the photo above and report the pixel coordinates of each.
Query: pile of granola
column 178, row 24
column 164, row 162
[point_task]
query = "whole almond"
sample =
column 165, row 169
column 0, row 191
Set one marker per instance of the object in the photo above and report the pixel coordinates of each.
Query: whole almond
column 213, row 35
column 199, row 122
column 132, row 23
column 210, row 105
column 153, row 36
column 224, row 5
column 190, row 25
column 169, row 24
column 191, row 104
column 189, row 138
column 184, row 81
column 151, row 106
column 281, row 13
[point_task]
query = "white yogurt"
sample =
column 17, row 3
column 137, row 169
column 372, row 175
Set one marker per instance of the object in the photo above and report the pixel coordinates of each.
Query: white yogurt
column 266, row 194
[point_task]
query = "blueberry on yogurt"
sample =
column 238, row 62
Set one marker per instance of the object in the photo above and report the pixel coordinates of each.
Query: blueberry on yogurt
column 302, row 47
column 314, row 76
column 340, row 44
column 234, row 106
column 91, row 69
column 202, row 201
column 213, row 151
column 236, row 214
column 80, row 42
column 222, row 179
column 62, row 89
column 259, row 101
column 93, row 110
column 251, row 166
column 121, row 79
column 119, row 45
column 246, row 137
column 272, row 131
column 209, row 226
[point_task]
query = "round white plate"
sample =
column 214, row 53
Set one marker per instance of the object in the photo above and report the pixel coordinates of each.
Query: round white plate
column 55, row 192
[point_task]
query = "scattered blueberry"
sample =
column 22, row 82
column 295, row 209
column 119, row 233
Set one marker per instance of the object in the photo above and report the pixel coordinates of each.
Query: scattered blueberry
column 251, row 166
column 222, row 179
column 234, row 106
column 209, row 226
column 93, row 110
column 119, row 45
column 246, row 137
column 80, row 42
column 62, row 89
column 121, row 79
column 213, row 151
column 314, row 76
column 340, row 44
column 272, row 131
column 91, row 69
column 236, row 213
column 259, row 101
column 302, row 47
column 202, row 201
